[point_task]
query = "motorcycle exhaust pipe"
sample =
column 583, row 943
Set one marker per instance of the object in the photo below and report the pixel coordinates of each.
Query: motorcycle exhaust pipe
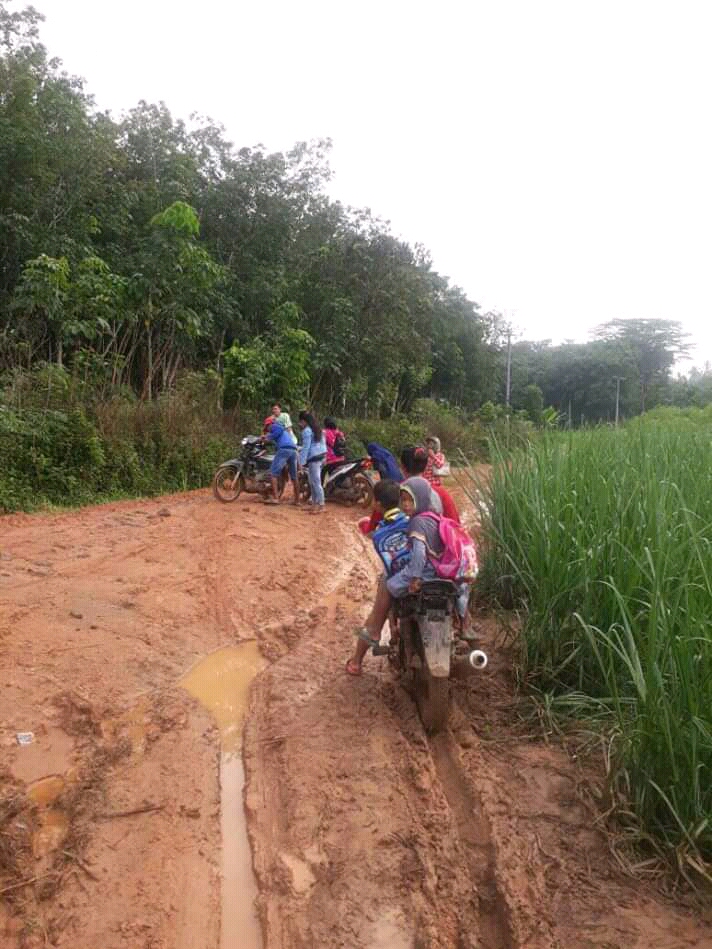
column 478, row 659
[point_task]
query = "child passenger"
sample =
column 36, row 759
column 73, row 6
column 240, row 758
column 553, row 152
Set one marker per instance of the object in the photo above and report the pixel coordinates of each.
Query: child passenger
column 423, row 540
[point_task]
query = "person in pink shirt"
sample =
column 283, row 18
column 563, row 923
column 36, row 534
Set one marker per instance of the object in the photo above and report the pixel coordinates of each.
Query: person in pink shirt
column 335, row 441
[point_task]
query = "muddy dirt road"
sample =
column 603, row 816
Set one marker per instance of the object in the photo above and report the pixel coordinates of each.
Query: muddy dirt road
column 364, row 833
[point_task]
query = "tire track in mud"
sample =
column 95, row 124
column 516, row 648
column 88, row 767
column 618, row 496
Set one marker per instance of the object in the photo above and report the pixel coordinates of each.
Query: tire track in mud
column 474, row 832
column 364, row 833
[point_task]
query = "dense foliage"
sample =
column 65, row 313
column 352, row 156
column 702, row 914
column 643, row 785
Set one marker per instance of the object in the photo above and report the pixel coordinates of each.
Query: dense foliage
column 602, row 540
column 136, row 249
column 133, row 250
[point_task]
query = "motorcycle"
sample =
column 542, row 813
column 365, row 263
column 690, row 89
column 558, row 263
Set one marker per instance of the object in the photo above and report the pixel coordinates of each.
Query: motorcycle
column 250, row 472
column 424, row 651
column 347, row 481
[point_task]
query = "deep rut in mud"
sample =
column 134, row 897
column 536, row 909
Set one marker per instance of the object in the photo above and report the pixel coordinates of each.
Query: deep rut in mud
column 474, row 832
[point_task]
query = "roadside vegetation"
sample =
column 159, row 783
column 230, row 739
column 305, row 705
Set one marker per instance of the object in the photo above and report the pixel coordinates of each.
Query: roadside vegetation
column 64, row 443
column 601, row 541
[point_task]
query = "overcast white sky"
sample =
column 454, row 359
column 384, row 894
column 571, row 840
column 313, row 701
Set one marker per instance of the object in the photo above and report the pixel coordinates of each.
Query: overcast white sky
column 554, row 155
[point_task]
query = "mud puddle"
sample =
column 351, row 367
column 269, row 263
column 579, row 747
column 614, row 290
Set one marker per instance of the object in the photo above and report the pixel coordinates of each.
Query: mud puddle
column 221, row 683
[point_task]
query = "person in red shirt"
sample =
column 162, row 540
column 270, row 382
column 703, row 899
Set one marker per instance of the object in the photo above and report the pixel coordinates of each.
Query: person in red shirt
column 435, row 460
column 414, row 461
column 335, row 441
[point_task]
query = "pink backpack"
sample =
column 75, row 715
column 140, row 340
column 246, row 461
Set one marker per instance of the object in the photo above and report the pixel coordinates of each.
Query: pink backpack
column 458, row 561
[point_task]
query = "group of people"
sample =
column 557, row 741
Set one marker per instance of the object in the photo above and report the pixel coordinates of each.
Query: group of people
column 409, row 500
column 320, row 445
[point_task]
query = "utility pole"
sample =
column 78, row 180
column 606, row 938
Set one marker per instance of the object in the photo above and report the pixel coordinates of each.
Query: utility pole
column 618, row 380
column 509, row 366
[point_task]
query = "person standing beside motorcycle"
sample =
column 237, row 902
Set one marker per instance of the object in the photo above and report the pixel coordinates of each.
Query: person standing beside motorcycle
column 284, row 420
column 285, row 456
column 335, row 442
column 312, row 455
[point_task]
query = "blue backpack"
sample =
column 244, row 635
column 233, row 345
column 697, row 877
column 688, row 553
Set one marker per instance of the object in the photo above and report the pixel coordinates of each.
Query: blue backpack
column 391, row 542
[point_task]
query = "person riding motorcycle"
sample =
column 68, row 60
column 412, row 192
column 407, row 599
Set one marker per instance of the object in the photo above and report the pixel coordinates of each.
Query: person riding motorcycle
column 335, row 442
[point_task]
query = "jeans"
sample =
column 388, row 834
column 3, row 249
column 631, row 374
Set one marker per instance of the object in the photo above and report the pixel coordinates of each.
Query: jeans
column 317, row 491
column 284, row 456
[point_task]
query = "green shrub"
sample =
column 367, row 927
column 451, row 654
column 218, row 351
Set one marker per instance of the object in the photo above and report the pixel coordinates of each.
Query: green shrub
column 48, row 456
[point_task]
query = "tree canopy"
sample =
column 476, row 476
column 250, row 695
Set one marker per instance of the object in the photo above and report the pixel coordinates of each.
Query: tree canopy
column 143, row 247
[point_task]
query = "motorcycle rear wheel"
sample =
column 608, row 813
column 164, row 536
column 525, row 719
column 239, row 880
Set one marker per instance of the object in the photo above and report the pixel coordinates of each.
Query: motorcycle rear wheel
column 304, row 488
column 363, row 491
column 432, row 696
column 227, row 484
column 264, row 488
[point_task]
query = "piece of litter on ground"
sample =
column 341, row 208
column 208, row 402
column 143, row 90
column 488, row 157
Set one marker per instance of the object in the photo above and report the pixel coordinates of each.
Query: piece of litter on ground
column 25, row 738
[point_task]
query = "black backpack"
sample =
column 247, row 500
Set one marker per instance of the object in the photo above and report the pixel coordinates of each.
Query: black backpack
column 339, row 448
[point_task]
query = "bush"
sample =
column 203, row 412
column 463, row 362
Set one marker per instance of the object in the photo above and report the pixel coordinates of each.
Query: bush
column 128, row 448
column 393, row 433
column 48, row 456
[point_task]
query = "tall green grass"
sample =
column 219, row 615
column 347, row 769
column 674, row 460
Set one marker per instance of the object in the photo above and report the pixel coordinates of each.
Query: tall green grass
column 603, row 538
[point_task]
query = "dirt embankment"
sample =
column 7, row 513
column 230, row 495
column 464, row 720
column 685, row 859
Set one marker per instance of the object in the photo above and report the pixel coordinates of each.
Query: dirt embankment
column 365, row 833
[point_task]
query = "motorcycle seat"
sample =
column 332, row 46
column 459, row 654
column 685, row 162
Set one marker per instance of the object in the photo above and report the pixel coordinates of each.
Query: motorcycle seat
column 439, row 595
column 438, row 588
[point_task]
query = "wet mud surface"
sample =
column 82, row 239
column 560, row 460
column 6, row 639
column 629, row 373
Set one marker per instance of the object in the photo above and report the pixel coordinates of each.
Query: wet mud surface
column 364, row 832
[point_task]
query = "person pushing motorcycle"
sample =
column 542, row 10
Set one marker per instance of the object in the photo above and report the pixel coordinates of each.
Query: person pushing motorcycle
column 285, row 456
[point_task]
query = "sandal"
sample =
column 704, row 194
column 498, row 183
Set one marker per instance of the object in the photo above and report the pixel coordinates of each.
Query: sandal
column 271, row 501
column 353, row 668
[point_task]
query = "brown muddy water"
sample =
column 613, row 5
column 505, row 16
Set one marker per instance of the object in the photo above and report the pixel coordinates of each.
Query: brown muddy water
column 221, row 683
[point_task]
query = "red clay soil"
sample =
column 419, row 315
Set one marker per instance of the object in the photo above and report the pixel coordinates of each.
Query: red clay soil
column 365, row 833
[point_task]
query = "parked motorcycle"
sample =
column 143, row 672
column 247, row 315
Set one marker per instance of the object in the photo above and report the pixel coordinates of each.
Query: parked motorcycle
column 425, row 649
column 347, row 481
column 250, row 472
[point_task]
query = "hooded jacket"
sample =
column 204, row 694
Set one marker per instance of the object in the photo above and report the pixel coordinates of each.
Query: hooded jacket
column 385, row 463
column 280, row 436
column 426, row 501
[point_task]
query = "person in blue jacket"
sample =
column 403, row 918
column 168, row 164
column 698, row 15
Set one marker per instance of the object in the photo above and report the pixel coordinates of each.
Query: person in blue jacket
column 312, row 456
column 384, row 462
column 285, row 456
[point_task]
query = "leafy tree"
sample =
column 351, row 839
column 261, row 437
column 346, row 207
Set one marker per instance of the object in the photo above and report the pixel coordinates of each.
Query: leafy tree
column 650, row 347
column 534, row 403
column 42, row 293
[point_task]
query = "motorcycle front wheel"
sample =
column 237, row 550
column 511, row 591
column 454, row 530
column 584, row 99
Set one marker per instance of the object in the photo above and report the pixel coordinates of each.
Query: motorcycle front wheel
column 363, row 491
column 227, row 484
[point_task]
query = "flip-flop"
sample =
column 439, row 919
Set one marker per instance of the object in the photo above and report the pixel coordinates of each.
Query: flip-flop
column 270, row 501
column 352, row 669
